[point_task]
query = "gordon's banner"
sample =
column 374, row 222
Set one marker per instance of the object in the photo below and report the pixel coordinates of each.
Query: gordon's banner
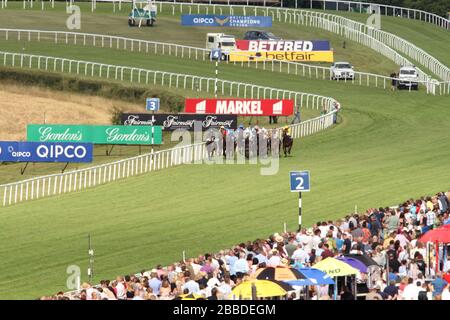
column 12, row 151
column 171, row 122
column 212, row 20
column 313, row 56
column 283, row 45
column 243, row 107
column 95, row 134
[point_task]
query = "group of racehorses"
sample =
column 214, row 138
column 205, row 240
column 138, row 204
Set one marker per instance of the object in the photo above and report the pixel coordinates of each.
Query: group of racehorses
column 250, row 143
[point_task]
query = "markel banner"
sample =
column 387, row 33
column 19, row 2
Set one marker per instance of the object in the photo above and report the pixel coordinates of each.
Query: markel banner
column 14, row 151
column 145, row 135
column 283, row 45
column 172, row 122
column 295, row 56
column 243, row 107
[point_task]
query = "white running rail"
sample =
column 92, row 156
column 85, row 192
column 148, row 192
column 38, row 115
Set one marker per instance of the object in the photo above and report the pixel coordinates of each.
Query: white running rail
column 194, row 53
column 361, row 33
column 385, row 9
column 57, row 184
column 380, row 41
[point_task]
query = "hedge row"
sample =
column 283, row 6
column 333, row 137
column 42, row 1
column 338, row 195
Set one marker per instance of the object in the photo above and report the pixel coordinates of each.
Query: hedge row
column 170, row 102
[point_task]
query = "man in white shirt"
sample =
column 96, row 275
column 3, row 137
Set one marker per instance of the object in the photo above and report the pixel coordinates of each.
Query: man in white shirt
column 121, row 291
column 304, row 238
column 411, row 291
column 241, row 264
column 446, row 293
column 431, row 218
column 300, row 255
column 275, row 259
column 191, row 285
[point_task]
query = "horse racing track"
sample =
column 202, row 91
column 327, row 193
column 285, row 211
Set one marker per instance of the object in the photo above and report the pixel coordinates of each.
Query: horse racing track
column 148, row 205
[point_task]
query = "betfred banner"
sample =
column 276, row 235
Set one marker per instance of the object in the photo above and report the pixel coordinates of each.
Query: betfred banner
column 170, row 122
column 212, row 20
column 310, row 56
column 242, row 107
column 283, row 45
column 12, row 151
column 95, row 134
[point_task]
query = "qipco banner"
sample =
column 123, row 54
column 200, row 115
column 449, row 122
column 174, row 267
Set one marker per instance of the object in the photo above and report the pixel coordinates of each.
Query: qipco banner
column 283, row 45
column 45, row 152
column 170, row 122
column 125, row 135
column 243, row 107
column 212, row 20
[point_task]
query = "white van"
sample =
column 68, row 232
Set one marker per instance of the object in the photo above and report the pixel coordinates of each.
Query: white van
column 226, row 43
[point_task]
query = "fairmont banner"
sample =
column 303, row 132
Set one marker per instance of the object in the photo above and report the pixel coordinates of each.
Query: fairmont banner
column 126, row 135
column 12, row 151
column 170, row 122
column 243, row 107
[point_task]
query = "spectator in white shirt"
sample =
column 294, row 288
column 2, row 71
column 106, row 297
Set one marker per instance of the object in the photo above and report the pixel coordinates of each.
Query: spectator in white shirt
column 121, row 290
column 300, row 255
column 411, row 291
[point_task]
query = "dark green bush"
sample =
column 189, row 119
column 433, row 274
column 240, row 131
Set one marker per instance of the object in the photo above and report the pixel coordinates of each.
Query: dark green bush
column 169, row 101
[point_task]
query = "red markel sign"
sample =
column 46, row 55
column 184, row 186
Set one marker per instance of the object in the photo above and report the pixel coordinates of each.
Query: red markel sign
column 243, row 107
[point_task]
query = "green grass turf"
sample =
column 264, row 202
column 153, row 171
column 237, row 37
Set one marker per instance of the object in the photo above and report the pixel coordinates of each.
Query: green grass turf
column 388, row 147
column 168, row 29
column 427, row 36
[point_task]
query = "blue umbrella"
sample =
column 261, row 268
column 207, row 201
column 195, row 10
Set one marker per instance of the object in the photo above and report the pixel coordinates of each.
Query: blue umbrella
column 355, row 263
column 313, row 277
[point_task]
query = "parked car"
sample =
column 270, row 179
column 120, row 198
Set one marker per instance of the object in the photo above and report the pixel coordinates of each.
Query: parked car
column 407, row 78
column 260, row 35
column 342, row 70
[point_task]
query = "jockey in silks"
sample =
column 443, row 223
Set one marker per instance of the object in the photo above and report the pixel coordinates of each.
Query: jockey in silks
column 287, row 131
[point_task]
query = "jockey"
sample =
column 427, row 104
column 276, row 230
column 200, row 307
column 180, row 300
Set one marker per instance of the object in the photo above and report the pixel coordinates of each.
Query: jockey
column 223, row 132
column 287, row 131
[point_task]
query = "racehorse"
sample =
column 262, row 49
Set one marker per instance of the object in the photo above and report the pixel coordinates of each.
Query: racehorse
column 287, row 143
column 211, row 146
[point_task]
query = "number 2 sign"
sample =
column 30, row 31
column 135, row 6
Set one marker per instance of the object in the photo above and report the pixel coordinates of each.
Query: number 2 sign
column 299, row 181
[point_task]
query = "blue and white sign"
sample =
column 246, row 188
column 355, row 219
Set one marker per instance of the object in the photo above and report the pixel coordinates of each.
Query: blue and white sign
column 12, row 151
column 299, row 181
column 216, row 54
column 152, row 104
column 212, row 20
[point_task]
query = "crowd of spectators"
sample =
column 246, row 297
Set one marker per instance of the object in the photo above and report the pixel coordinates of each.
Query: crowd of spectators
column 387, row 235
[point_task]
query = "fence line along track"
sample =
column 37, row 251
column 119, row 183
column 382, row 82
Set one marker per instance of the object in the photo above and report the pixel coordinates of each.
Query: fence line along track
column 380, row 41
column 337, row 5
column 57, row 184
column 353, row 30
column 194, row 53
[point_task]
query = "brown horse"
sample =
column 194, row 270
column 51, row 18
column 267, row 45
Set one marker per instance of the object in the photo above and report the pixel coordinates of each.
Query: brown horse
column 287, row 142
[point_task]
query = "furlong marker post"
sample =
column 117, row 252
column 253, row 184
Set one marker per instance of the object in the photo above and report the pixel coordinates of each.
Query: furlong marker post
column 217, row 74
column 299, row 181
column 91, row 260
column 299, row 211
